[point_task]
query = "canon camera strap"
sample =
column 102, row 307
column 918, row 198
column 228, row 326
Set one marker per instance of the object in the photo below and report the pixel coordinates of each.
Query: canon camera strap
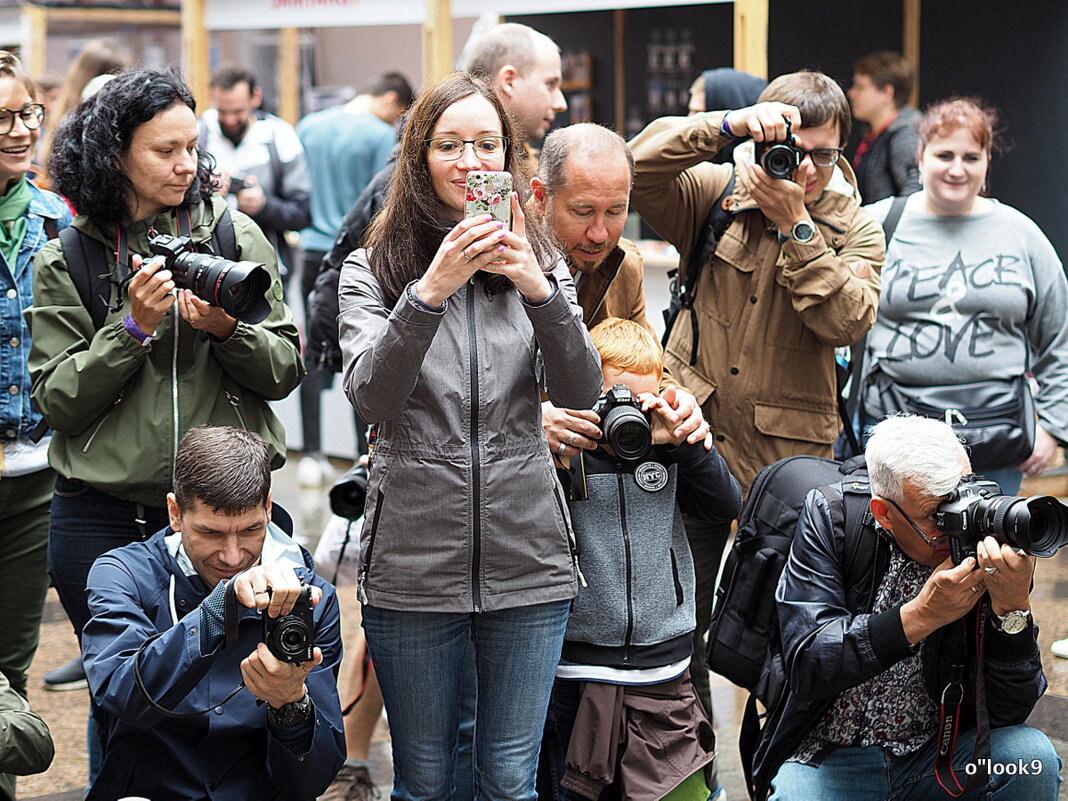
column 949, row 723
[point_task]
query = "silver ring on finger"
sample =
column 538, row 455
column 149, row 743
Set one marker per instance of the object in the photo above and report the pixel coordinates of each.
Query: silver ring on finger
column 990, row 570
column 466, row 256
column 570, row 438
column 560, row 450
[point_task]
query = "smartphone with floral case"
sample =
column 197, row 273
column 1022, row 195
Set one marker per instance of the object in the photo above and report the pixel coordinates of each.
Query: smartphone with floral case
column 489, row 192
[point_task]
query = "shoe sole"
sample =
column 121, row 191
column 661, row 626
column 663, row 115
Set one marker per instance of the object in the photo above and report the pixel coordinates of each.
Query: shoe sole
column 72, row 685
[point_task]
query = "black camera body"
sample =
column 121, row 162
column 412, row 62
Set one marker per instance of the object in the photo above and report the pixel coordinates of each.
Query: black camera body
column 779, row 159
column 291, row 638
column 625, row 427
column 977, row 508
column 237, row 183
column 238, row 287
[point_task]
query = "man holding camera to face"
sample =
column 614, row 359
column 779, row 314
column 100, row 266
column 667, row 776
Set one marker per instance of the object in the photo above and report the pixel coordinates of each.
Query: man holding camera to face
column 898, row 661
column 213, row 645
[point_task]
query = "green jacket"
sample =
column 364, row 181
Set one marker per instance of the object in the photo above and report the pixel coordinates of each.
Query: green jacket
column 25, row 741
column 118, row 409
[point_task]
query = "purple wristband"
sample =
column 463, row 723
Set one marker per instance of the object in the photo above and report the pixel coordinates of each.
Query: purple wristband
column 135, row 330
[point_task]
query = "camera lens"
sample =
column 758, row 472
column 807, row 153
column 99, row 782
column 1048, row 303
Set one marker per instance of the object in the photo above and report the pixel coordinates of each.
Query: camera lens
column 779, row 161
column 628, row 432
column 290, row 636
column 1038, row 525
column 238, row 287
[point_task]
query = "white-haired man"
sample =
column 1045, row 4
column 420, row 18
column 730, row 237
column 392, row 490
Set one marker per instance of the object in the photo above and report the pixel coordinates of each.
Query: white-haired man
column 895, row 668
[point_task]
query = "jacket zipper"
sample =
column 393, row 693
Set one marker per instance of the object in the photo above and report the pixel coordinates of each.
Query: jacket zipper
column 476, row 469
column 114, row 403
column 626, row 562
column 362, row 581
column 235, row 401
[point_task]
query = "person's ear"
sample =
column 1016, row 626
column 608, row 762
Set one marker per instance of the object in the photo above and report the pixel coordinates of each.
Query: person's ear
column 173, row 512
column 257, row 97
column 880, row 510
column 268, row 506
column 506, row 78
column 541, row 195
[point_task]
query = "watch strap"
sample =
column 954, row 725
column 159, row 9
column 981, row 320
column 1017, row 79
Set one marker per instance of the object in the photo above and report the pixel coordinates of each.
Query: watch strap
column 291, row 714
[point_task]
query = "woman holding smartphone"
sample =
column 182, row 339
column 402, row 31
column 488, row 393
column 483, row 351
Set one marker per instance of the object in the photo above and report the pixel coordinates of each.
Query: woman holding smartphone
column 448, row 326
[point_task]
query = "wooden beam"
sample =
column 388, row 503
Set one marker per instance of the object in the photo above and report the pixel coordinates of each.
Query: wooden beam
column 118, row 16
column 289, row 75
column 619, row 76
column 911, row 49
column 751, row 36
column 195, row 56
column 35, row 54
column 437, row 40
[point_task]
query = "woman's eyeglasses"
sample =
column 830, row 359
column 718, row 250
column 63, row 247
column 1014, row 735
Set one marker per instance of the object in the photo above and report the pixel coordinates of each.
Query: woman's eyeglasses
column 450, row 149
column 32, row 115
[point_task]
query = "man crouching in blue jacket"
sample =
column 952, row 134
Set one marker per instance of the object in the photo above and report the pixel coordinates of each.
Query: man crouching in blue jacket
column 166, row 648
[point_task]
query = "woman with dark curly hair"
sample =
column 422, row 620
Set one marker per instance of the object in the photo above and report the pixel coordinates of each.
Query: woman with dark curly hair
column 448, row 326
column 119, row 395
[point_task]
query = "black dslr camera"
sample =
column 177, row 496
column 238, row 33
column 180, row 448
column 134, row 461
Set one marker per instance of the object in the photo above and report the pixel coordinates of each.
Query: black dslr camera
column 238, row 287
column 977, row 508
column 779, row 159
column 291, row 637
column 623, row 423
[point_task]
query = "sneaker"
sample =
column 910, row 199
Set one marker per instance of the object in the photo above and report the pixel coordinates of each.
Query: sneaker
column 70, row 676
column 352, row 783
column 1059, row 648
column 313, row 471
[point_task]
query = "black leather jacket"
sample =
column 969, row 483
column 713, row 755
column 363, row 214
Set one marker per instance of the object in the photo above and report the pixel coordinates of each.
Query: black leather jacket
column 830, row 643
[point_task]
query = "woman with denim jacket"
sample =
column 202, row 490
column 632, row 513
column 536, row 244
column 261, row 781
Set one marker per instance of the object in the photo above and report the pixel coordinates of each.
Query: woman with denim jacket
column 28, row 217
column 448, row 326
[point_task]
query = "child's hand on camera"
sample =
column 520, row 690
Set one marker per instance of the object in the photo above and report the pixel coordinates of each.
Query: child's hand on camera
column 664, row 419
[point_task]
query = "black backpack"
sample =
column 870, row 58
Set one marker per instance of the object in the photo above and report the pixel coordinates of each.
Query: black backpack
column 743, row 636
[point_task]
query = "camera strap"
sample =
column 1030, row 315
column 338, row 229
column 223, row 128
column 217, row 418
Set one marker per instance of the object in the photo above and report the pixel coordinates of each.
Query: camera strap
column 953, row 695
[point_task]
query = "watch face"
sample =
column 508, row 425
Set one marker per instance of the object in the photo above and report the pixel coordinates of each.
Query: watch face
column 1014, row 622
column 803, row 231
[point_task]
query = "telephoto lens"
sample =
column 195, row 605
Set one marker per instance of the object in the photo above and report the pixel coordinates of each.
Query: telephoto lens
column 625, row 426
column 238, row 287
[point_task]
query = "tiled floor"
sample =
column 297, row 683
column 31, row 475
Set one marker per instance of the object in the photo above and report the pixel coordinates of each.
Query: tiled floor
column 66, row 712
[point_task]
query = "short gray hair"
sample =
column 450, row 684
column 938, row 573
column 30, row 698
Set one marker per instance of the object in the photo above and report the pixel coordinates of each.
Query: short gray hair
column 925, row 452
column 584, row 139
column 510, row 43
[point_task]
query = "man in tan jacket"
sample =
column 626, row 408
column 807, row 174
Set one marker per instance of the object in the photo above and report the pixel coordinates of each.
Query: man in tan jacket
column 795, row 275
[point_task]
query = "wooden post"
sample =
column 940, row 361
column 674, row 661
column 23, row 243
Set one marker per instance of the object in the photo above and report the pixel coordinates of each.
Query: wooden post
column 751, row 37
column 911, row 49
column 35, row 23
column 289, row 75
column 437, row 40
column 195, row 51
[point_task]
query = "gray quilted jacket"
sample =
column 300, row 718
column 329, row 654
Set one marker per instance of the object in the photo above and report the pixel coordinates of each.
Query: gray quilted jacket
column 464, row 511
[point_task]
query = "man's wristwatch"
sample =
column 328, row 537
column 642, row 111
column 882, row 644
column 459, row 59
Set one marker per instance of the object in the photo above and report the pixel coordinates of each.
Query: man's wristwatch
column 802, row 232
column 293, row 714
column 1011, row 622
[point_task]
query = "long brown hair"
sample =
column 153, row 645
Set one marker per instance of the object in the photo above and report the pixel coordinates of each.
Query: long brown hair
column 405, row 235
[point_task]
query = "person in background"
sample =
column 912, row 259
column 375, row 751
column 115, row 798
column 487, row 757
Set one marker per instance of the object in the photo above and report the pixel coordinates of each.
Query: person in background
column 97, row 57
column 119, row 394
column 724, row 87
column 263, row 153
column 345, row 146
column 449, row 325
column 885, row 161
column 28, row 217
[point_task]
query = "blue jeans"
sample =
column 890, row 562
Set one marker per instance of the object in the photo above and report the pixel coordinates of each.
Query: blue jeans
column 868, row 774
column 85, row 524
column 419, row 659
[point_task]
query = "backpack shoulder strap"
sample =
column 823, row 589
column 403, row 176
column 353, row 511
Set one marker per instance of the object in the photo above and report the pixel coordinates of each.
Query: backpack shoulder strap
column 719, row 219
column 223, row 238
column 276, row 164
column 87, row 262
